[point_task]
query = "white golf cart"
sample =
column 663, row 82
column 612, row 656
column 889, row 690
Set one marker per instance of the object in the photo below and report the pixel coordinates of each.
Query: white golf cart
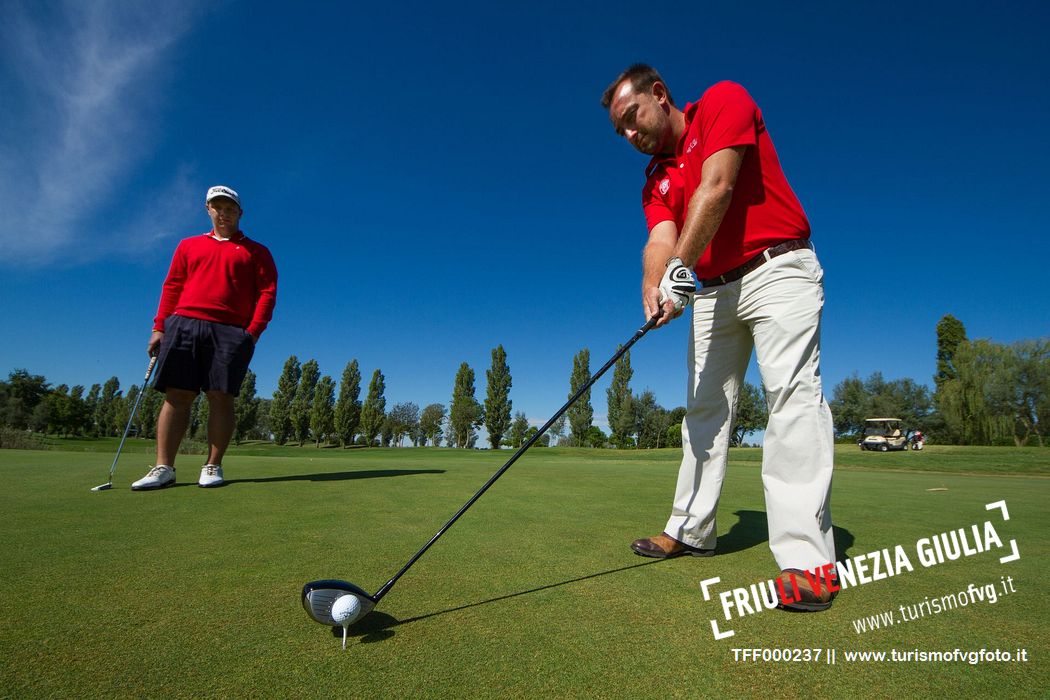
column 883, row 435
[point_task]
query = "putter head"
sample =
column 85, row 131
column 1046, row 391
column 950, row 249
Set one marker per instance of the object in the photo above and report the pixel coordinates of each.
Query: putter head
column 103, row 487
column 318, row 597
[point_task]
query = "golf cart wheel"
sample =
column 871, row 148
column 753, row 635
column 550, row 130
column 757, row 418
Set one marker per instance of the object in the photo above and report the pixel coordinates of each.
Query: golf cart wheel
column 884, row 448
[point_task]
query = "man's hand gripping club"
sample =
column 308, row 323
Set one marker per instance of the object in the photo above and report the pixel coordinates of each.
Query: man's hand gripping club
column 677, row 286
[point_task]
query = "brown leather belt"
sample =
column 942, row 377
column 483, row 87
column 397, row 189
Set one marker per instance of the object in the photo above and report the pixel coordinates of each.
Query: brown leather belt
column 757, row 261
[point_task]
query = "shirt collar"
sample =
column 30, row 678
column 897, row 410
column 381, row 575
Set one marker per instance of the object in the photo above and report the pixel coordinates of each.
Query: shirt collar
column 235, row 237
column 658, row 161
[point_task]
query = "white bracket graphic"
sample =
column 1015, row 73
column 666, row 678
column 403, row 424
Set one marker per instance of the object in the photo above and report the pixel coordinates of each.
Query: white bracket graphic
column 709, row 582
column 1001, row 505
column 1012, row 557
column 720, row 635
column 707, row 596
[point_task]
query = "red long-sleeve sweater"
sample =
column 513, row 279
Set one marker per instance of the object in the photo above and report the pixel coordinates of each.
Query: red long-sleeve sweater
column 232, row 281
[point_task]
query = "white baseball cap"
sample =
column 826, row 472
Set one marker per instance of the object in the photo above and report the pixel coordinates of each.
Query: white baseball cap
column 222, row 191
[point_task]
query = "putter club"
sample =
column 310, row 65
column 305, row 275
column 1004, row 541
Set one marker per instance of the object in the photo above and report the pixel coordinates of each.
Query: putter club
column 138, row 399
column 318, row 596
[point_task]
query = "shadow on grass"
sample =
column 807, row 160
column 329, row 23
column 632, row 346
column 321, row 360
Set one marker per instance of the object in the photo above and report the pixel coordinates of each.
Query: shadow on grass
column 324, row 476
column 377, row 626
column 752, row 529
column 843, row 541
column 338, row 476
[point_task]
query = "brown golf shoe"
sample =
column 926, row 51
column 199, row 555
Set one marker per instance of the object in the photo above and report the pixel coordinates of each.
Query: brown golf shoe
column 801, row 593
column 663, row 546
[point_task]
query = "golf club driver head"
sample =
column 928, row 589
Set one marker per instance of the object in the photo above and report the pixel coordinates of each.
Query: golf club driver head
column 103, row 487
column 318, row 597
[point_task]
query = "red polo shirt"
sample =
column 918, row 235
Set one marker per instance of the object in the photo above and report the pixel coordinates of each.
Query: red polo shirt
column 232, row 281
column 763, row 212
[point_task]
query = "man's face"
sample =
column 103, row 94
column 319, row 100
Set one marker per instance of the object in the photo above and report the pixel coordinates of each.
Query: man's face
column 643, row 118
column 225, row 215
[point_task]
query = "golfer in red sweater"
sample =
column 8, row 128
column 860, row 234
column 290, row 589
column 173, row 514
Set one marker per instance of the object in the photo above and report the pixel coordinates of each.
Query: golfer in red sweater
column 216, row 301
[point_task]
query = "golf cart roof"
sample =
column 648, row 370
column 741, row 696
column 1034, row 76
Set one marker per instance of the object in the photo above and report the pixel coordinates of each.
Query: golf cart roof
column 882, row 420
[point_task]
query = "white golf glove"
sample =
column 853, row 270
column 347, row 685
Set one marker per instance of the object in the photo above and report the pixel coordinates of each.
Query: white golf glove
column 677, row 284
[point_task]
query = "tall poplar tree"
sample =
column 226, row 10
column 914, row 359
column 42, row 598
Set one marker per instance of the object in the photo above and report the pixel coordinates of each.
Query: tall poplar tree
column 465, row 413
column 281, row 405
column 91, row 408
column 106, row 403
column 497, row 397
column 582, row 413
column 373, row 412
column 125, row 413
column 950, row 333
column 322, row 413
column 348, row 408
column 621, row 407
column 245, row 409
column 303, row 401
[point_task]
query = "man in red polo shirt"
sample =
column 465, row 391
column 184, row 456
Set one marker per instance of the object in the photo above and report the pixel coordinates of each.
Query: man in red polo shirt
column 717, row 202
column 215, row 303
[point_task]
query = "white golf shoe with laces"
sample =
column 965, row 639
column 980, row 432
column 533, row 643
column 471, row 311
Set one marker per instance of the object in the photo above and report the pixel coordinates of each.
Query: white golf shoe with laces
column 211, row 475
column 156, row 478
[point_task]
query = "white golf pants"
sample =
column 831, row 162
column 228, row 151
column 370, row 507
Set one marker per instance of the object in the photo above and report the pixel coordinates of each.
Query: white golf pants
column 776, row 310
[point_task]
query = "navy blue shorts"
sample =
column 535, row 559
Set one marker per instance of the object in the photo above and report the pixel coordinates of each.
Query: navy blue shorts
column 198, row 355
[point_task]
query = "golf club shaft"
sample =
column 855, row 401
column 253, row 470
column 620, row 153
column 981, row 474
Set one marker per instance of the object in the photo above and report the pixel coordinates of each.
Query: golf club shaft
column 521, row 450
column 134, row 410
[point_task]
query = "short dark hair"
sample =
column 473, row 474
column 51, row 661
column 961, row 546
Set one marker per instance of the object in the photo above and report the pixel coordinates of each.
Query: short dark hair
column 642, row 77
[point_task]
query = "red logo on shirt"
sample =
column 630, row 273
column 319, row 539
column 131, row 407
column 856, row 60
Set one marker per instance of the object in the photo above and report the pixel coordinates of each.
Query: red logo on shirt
column 665, row 185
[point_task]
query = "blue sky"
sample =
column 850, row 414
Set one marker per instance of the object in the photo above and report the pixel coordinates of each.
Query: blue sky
column 435, row 179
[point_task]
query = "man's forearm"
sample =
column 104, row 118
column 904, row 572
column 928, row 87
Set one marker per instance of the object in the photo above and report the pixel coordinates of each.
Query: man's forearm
column 707, row 207
column 654, row 261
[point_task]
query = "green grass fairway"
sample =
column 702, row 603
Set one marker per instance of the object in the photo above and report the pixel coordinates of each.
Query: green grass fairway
column 188, row 592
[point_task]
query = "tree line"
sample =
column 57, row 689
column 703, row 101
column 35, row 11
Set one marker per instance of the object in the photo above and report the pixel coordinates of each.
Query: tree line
column 985, row 393
column 307, row 407
column 310, row 408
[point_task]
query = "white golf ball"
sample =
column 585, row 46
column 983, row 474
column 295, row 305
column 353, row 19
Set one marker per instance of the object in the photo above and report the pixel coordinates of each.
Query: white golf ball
column 345, row 609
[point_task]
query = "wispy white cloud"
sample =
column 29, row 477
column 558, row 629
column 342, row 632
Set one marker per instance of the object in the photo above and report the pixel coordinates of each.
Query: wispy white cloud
column 81, row 80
